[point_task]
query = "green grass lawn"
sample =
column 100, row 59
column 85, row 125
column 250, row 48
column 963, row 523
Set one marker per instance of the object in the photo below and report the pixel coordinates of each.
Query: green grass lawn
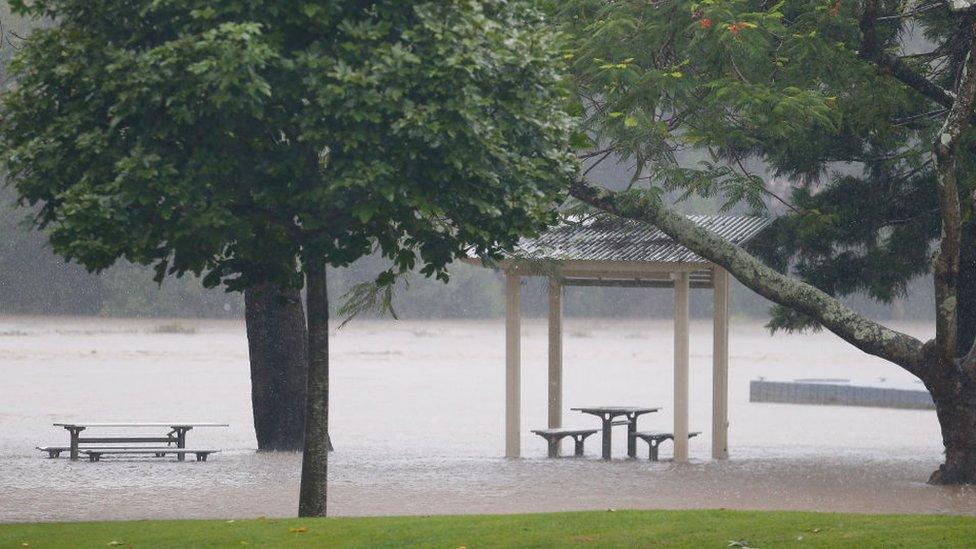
column 697, row 529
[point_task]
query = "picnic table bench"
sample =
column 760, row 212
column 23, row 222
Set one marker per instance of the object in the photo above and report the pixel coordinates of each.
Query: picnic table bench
column 554, row 436
column 95, row 454
column 175, row 437
column 56, row 451
column 654, row 440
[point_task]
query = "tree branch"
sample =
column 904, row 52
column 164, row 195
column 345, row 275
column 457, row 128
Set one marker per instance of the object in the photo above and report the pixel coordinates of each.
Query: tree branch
column 912, row 13
column 946, row 264
column 766, row 191
column 925, row 115
column 871, row 51
column 863, row 333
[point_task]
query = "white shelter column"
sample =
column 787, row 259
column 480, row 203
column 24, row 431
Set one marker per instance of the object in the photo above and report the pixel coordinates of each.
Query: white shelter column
column 513, row 366
column 720, row 366
column 681, row 313
column 555, row 354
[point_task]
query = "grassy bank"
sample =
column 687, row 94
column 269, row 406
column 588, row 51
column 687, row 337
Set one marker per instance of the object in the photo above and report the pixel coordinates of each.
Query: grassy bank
column 592, row 529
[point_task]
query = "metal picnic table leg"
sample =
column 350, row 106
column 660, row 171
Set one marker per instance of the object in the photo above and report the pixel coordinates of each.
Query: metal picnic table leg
column 631, row 439
column 579, row 445
column 607, row 425
column 181, row 440
column 75, row 431
column 652, row 452
column 554, row 447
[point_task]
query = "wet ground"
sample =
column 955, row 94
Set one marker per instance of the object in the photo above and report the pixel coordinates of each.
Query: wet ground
column 417, row 419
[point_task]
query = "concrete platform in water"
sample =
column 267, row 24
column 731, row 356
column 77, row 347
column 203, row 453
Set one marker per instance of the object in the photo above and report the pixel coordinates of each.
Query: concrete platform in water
column 879, row 393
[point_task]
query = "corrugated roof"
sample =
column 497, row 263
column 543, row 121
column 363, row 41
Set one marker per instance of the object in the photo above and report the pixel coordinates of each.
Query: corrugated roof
column 609, row 238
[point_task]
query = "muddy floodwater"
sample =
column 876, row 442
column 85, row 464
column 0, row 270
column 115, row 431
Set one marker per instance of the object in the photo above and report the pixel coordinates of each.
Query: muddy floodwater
column 417, row 421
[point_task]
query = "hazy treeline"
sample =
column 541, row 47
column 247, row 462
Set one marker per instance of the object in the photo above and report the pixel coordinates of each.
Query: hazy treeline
column 35, row 281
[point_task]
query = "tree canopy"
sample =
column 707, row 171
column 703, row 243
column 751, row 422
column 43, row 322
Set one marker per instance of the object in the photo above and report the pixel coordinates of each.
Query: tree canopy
column 825, row 95
column 783, row 104
column 228, row 138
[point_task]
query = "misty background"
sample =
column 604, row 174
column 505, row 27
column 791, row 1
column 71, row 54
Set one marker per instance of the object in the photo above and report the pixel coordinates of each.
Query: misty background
column 34, row 281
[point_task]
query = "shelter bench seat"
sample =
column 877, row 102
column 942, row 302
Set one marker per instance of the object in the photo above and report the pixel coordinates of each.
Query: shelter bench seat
column 553, row 436
column 654, row 440
column 95, row 454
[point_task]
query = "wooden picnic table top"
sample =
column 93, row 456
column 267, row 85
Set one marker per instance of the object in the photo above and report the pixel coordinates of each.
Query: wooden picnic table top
column 166, row 424
column 617, row 410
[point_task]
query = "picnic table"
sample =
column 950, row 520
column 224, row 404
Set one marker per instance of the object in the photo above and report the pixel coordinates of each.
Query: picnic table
column 176, row 435
column 608, row 415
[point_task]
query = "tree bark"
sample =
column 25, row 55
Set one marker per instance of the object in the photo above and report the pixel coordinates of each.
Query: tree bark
column 967, row 289
column 315, row 461
column 946, row 263
column 277, row 344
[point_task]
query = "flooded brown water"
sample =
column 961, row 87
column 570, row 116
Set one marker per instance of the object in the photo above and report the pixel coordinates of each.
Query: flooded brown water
column 417, row 419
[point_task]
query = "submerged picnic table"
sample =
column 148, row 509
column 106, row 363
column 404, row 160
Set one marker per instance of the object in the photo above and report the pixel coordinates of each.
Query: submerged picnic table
column 177, row 434
column 608, row 414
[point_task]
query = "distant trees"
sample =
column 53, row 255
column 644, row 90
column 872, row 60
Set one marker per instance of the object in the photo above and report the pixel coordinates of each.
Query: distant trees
column 254, row 143
column 877, row 142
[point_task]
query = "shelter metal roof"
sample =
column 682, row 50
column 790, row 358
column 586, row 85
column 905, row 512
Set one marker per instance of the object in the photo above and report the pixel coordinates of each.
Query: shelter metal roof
column 610, row 238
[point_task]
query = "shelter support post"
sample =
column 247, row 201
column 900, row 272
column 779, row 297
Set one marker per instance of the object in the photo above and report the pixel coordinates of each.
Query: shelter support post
column 681, row 314
column 720, row 366
column 555, row 354
column 513, row 366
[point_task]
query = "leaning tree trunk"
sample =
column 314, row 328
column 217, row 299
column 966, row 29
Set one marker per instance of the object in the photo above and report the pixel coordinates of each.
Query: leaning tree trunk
column 315, row 461
column 277, row 343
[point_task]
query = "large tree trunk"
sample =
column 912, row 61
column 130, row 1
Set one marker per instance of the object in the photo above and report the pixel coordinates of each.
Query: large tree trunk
column 954, row 393
column 277, row 343
column 951, row 381
column 315, row 461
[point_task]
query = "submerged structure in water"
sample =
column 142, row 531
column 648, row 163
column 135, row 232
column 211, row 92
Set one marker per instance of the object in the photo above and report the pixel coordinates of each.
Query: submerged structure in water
column 842, row 392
